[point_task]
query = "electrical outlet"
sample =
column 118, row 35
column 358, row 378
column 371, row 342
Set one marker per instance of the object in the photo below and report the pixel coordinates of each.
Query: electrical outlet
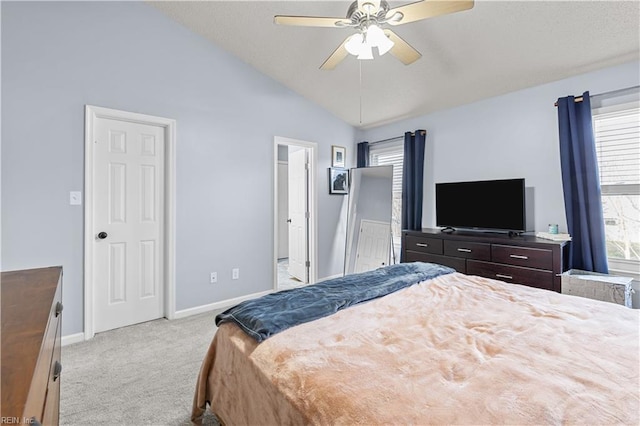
column 235, row 273
column 214, row 277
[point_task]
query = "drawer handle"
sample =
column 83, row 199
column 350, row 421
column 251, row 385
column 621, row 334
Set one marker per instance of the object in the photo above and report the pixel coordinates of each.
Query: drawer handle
column 59, row 308
column 57, row 369
column 422, row 245
column 464, row 250
column 507, row 277
column 517, row 256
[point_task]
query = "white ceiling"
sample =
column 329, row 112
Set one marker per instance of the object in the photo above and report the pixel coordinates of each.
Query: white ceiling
column 494, row 48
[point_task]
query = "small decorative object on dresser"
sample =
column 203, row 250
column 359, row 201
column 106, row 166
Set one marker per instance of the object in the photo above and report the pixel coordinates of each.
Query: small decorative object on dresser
column 31, row 333
column 338, row 180
column 526, row 260
column 338, row 156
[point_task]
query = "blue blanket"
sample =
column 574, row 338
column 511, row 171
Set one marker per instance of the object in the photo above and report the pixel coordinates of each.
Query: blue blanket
column 275, row 312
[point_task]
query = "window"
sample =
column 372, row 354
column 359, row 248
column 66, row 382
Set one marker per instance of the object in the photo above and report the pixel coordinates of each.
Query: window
column 392, row 153
column 617, row 137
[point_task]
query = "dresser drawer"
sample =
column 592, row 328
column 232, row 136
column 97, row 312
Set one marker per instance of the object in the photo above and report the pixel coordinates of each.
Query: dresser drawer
column 50, row 415
column 468, row 250
column 423, row 244
column 458, row 264
column 511, row 274
column 525, row 259
column 522, row 256
column 38, row 389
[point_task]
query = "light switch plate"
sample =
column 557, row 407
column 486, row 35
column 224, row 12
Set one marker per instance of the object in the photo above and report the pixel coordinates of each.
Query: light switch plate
column 75, row 198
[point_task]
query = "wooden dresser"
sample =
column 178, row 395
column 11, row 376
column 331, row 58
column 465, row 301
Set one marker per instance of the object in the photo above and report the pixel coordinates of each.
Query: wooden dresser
column 31, row 330
column 521, row 259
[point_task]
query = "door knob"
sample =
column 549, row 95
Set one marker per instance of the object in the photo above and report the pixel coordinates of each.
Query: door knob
column 289, row 220
column 102, row 235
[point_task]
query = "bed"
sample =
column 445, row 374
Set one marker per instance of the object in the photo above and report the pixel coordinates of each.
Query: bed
column 454, row 349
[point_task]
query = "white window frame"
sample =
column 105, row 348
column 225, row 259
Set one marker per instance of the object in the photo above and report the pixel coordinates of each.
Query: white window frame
column 620, row 266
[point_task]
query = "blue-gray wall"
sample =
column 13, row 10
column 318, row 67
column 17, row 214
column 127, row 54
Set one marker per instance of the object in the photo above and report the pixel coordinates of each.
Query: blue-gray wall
column 59, row 56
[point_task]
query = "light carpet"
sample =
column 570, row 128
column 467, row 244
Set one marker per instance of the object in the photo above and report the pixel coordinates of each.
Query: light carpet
column 286, row 281
column 144, row 374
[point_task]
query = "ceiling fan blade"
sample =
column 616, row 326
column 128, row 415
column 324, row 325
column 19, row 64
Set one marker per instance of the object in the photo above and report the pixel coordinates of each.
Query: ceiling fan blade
column 401, row 49
column 336, row 57
column 311, row 21
column 425, row 9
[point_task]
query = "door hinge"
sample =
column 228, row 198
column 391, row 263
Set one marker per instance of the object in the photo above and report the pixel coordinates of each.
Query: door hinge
column 307, row 264
column 306, row 166
column 307, row 215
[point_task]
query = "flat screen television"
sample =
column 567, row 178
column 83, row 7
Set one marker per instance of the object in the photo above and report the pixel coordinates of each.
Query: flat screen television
column 482, row 205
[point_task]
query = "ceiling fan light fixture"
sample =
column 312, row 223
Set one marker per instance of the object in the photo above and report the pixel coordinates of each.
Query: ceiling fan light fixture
column 376, row 37
column 354, row 45
column 384, row 47
column 365, row 51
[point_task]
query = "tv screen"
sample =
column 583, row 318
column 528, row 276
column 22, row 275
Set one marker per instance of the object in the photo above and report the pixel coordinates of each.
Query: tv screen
column 489, row 204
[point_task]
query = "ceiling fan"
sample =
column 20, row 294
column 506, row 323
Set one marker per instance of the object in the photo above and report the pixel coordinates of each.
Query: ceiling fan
column 369, row 17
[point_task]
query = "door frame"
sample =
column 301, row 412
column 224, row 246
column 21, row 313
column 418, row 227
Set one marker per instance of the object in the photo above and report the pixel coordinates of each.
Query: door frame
column 168, row 233
column 312, row 148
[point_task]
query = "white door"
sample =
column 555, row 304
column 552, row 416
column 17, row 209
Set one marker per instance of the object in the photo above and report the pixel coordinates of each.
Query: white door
column 128, row 208
column 374, row 241
column 283, row 210
column 298, row 228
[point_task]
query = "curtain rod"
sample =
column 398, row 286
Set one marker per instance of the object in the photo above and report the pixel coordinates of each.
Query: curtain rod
column 424, row 132
column 613, row 92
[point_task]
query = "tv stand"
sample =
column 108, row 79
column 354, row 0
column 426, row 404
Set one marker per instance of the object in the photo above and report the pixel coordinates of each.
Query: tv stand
column 517, row 259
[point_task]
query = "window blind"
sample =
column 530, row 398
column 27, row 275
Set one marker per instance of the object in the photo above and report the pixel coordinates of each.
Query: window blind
column 390, row 155
column 616, row 129
column 617, row 137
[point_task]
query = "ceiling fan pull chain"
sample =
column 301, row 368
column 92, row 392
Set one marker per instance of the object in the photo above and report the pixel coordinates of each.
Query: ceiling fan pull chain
column 360, row 87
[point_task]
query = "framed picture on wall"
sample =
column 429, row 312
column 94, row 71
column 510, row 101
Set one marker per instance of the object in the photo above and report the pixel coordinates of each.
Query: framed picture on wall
column 338, row 156
column 338, row 180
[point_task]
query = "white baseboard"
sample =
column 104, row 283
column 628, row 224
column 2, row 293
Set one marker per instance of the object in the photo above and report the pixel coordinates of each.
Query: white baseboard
column 72, row 338
column 79, row 337
column 217, row 305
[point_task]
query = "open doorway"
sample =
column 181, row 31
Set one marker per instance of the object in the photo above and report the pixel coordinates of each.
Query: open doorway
column 294, row 213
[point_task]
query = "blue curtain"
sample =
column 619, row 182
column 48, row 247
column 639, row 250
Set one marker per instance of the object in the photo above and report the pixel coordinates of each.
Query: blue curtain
column 581, row 185
column 412, row 180
column 363, row 154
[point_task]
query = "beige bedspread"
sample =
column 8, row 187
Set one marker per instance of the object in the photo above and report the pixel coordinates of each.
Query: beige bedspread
column 456, row 349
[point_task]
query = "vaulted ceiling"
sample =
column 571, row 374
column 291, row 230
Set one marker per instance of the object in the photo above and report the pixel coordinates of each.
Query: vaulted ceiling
column 494, row 48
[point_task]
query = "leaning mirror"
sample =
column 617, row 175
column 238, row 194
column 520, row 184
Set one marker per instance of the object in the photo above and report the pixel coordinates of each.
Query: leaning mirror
column 369, row 238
